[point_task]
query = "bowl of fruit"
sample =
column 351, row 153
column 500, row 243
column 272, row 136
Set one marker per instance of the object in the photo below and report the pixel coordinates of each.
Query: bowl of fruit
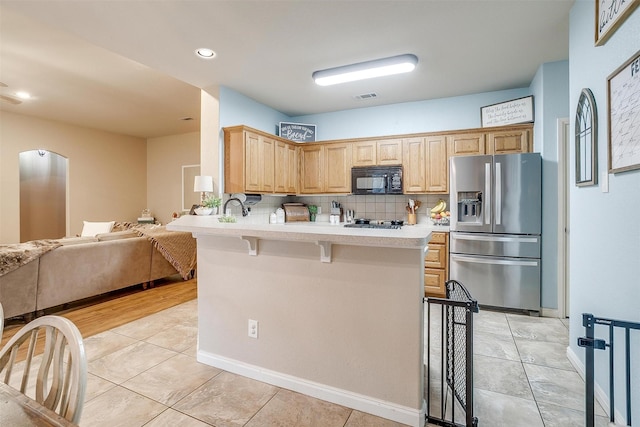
column 439, row 213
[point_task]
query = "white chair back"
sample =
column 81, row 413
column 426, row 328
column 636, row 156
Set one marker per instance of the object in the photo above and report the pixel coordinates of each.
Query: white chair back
column 59, row 384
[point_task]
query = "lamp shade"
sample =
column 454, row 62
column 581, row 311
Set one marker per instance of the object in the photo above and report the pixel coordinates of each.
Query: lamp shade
column 203, row 183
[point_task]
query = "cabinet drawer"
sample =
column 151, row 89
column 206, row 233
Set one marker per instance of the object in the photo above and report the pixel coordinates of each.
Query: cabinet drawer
column 434, row 282
column 438, row 237
column 436, row 256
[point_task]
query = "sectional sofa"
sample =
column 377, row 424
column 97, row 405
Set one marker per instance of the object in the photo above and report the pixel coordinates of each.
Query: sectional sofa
column 82, row 267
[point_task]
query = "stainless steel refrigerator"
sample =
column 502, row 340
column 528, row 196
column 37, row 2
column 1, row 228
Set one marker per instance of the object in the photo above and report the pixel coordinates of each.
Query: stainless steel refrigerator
column 495, row 228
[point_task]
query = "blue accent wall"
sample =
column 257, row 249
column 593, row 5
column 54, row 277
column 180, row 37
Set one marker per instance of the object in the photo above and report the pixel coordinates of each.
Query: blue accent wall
column 604, row 227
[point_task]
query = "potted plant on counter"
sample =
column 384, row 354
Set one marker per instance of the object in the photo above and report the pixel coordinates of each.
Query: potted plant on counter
column 209, row 206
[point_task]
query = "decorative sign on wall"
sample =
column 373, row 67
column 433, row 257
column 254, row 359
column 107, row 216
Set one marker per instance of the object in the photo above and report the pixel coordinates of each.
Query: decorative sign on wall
column 623, row 109
column 609, row 16
column 298, row 132
column 507, row 113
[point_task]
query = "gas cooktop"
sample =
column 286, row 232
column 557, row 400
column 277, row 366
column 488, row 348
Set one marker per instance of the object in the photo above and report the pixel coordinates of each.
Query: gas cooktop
column 381, row 224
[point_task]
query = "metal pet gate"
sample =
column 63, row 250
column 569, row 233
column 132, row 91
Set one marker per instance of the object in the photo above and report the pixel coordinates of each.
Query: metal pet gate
column 449, row 383
column 590, row 343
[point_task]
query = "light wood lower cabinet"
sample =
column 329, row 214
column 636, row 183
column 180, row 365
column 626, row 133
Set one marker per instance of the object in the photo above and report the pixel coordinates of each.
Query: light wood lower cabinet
column 436, row 265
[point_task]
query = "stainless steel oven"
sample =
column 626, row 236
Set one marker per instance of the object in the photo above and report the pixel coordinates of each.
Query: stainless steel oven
column 376, row 180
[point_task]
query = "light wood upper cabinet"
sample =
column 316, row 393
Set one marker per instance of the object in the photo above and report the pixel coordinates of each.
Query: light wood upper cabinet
column 364, row 153
column 286, row 168
column 259, row 163
column 250, row 164
column 414, row 165
column 389, row 152
column 466, row 144
column 437, row 174
column 374, row 153
column 325, row 168
column 311, row 169
column 337, row 168
column 509, row 141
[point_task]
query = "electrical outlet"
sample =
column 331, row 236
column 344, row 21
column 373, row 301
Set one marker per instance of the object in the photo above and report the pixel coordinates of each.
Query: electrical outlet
column 253, row 328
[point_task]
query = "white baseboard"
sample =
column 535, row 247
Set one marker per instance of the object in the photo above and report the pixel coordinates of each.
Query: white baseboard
column 549, row 312
column 599, row 394
column 370, row 405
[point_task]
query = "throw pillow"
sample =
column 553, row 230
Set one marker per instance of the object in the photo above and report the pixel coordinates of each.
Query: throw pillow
column 91, row 229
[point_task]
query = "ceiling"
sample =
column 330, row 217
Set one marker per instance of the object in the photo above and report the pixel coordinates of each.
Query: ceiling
column 129, row 66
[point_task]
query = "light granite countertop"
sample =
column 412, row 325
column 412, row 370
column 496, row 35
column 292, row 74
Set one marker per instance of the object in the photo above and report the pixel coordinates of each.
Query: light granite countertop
column 409, row 236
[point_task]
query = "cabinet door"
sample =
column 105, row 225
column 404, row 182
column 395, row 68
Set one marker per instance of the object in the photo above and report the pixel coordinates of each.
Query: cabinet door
column 437, row 173
column 291, row 179
column 389, row 152
column 414, row 165
column 337, row 176
column 434, row 282
column 267, row 171
column 311, row 169
column 506, row 142
column 436, row 256
column 282, row 167
column 466, row 144
column 252, row 162
column 364, row 153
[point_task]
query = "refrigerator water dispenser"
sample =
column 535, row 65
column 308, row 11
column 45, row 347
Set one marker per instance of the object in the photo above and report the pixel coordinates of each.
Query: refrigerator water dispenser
column 470, row 207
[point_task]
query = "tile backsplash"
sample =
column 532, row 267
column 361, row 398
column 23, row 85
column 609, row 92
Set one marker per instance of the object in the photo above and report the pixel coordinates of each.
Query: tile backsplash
column 371, row 207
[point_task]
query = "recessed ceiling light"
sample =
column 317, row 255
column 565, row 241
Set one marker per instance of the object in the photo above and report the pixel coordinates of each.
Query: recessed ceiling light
column 366, row 70
column 23, row 95
column 205, row 53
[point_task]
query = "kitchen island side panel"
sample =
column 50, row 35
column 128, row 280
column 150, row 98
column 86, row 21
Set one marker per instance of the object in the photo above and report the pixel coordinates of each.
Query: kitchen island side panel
column 354, row 324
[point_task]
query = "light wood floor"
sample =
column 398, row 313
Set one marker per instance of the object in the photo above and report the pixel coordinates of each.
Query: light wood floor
column 107, row 312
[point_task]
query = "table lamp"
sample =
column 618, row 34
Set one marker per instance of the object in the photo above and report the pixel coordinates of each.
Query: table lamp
column 204, row 185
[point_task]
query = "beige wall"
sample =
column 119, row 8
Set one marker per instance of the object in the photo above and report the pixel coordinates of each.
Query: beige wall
column 165, row 158
column 107, row 172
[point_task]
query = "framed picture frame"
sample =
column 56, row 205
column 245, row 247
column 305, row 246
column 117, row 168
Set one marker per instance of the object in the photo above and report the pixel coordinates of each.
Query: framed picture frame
column 298, row 132
column 610, row 14
column 586, row 133
column 623, row 110
column 518, row 110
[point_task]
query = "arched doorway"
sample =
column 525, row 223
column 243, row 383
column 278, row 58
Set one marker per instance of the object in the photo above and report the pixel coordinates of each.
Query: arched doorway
column 43, row 195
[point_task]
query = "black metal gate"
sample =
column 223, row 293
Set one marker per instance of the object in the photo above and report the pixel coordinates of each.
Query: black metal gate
column 449, row 369
column 590, row 343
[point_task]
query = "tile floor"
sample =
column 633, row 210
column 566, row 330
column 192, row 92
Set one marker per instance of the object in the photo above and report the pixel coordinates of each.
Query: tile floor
column 144, row 373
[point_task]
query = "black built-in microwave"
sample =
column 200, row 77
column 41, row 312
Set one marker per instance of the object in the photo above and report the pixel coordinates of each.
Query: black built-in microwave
column 376, row 180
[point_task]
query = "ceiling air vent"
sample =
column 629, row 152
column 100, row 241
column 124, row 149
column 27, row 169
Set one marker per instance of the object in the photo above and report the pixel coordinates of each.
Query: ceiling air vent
column 364, row 96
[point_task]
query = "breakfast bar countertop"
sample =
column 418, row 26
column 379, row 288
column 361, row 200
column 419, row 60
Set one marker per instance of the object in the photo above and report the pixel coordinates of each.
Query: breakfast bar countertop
column 409, row 236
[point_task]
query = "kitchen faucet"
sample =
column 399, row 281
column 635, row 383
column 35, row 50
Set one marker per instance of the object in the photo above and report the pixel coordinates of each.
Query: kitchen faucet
column 244, row 210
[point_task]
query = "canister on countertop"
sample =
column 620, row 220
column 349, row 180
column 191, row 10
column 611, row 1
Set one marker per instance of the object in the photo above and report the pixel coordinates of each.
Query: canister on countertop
column 280, row 216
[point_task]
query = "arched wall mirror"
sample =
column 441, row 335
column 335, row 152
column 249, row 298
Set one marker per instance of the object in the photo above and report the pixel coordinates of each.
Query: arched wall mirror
column 43, row 195
column 586, row 140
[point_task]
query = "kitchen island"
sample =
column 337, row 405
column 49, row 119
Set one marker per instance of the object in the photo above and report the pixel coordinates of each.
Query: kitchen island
column 339, row 310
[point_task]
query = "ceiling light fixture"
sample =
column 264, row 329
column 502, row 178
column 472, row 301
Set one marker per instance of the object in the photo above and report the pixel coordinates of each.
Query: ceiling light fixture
column 205, row 53
column 23, row 95
column 366, row 70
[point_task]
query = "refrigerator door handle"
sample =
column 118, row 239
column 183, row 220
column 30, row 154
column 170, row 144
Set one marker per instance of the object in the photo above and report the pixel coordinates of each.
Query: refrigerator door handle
column 498, row 193
column 494, row 261
column 486, row 238
column 487, row 193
